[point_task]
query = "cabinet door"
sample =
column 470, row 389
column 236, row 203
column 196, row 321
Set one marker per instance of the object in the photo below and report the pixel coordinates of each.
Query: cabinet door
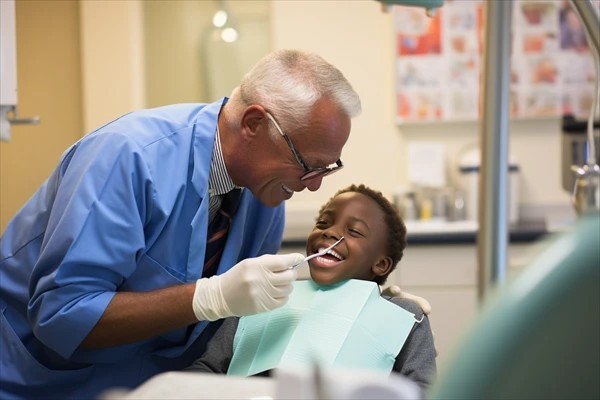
column 446, row 275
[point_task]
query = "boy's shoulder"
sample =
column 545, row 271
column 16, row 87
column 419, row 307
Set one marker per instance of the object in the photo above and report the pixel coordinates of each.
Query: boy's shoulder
column 407, row 304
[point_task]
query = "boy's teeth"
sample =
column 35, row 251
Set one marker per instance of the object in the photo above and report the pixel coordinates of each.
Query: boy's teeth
column 334, row 254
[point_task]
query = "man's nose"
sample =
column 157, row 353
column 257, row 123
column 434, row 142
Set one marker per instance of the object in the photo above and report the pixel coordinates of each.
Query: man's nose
column 313, row 184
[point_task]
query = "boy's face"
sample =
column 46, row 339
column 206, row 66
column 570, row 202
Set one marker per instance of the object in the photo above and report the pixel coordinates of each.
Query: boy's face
column 361, row 255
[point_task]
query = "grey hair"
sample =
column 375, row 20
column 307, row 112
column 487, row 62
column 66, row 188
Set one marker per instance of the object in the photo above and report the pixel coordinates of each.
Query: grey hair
column 288, row 83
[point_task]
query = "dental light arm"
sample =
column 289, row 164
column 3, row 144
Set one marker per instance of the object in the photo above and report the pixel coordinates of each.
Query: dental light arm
column 429, row 5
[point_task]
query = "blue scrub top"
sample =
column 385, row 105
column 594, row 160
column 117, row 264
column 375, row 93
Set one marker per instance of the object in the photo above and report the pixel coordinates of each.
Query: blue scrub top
column 125, row 210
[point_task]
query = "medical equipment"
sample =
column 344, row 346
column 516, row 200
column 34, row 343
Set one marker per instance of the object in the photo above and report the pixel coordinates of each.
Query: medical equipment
column 301, row 383
column 328, row 384
column 430, row 6
column 586, row 192
column 320, row 253
column 574, row 146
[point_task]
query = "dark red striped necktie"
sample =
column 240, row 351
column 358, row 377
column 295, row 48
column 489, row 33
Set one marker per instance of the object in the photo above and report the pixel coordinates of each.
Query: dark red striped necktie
column 217, row 232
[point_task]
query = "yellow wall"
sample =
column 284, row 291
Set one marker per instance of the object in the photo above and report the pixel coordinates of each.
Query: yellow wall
column 174, row 70
column 49, row 86
column 112, row 54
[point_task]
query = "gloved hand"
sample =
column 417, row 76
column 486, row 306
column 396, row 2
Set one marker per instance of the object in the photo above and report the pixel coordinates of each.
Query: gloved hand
column 251, row 286
column 395, row 291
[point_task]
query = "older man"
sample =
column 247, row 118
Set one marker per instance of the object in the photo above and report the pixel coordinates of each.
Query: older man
column 159, row 222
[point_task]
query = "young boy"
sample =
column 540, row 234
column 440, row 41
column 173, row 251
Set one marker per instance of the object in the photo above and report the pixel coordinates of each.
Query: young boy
column 374, row 241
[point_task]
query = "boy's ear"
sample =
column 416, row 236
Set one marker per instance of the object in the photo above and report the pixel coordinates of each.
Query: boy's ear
column 382, row 266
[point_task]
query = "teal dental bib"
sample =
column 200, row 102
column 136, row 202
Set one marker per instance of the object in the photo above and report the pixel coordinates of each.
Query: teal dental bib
column 347, row 325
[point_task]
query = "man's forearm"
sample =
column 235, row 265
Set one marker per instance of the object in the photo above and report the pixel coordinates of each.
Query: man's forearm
column 135, row 316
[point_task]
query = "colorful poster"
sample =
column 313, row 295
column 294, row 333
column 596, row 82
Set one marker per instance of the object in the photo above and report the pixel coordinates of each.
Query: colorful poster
column 439, row 61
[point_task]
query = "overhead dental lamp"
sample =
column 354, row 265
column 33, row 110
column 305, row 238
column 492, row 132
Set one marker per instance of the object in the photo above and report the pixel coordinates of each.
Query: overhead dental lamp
column 429, row 5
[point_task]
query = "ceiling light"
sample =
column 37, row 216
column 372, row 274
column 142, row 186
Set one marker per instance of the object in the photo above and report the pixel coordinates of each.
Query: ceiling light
column 229, row 35
column 220, row 18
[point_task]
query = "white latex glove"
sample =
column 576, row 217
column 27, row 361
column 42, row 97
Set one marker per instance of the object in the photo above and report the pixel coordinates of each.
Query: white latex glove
column 252, row 286
column 395, row 291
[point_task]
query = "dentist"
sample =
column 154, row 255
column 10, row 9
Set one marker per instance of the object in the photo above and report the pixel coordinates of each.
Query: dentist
column 103, row 272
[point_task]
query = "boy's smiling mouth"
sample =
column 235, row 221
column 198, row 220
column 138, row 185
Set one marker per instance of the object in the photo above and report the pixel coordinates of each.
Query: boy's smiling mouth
column 330, row 258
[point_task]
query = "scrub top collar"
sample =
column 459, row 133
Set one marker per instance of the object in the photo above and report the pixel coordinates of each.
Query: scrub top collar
column 219, row 182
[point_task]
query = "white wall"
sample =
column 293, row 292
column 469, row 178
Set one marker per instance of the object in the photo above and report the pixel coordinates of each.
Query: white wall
column 357, row 36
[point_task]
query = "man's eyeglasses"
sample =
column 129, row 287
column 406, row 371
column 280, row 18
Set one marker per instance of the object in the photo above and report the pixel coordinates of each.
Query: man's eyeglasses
column 309, row 173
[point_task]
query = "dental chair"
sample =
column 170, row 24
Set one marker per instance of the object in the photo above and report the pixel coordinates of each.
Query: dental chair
column 538, row 338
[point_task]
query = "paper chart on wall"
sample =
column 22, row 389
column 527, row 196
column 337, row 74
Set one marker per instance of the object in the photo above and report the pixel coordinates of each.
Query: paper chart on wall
column 439, row 61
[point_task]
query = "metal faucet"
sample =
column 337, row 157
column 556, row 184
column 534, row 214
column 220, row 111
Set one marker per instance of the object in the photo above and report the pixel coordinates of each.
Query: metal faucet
column 586, row 193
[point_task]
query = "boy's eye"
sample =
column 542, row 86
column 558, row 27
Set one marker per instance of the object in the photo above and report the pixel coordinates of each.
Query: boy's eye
column 321, row 223
column 354, row 232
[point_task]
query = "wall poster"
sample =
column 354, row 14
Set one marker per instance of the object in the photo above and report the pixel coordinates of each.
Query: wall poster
column 439, row 61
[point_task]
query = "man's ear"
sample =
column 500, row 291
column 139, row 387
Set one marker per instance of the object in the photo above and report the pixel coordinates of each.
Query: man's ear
column 252, row 118
column 382, row 266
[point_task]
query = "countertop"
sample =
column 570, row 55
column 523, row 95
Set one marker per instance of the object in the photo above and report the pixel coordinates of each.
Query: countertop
column 443, row 232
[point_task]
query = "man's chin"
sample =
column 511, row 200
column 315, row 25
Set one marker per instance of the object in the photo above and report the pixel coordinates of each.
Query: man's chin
column 273, row 201
column 270, row 198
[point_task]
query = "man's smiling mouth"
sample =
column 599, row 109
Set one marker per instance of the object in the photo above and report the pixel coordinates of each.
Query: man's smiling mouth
column 287, row 189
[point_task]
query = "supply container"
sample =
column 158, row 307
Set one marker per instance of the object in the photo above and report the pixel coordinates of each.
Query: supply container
column 469, row 168
column 406, row 203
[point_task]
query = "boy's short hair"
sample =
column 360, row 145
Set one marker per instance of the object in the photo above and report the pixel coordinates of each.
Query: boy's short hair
column 396, row 229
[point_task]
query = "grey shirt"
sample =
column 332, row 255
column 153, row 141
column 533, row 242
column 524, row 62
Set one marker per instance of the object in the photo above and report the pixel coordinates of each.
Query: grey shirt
column 416, row 360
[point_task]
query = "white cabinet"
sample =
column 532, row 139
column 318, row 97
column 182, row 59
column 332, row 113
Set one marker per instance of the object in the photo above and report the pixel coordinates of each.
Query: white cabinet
column 8, row 65
column 8, row 72
column 446, row 275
